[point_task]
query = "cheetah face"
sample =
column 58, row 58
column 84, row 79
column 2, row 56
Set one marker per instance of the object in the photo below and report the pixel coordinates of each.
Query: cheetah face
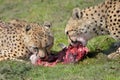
column 80, row 28
column 38, row 40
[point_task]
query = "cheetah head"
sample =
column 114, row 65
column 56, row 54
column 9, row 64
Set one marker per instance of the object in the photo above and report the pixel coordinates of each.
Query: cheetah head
column 79, row 28
column 37, row 39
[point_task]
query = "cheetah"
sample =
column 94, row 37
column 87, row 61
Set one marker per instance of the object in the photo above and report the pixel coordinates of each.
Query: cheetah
column 19, row 39
column 102, row 19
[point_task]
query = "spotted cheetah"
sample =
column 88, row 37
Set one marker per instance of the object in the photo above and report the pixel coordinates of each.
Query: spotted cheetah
column 19, row 39
column 102, row 19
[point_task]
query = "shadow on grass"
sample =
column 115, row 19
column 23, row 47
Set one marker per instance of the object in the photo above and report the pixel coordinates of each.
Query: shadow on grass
column 92, row 54
column 114, row 46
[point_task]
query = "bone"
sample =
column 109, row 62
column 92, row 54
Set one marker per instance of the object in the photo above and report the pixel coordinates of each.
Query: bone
column 34, row 58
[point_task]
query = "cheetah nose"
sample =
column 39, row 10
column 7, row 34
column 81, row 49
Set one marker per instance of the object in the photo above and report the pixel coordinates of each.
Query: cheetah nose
column 74, row 42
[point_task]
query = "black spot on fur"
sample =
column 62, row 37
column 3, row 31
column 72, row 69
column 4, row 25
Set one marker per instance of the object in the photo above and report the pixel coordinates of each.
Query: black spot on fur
column 118, row 20
column 112, row 28
column 95, row 11
column 102, row 10
column 110, row 16
column 106, row 26
column 111, row 20
column 118, row 11
column 86, row 14
column 11, row 50
column 114, row 15
column 14, row 54
column 116, row 35
column 98, row 14
column 115, row 19
column 94, row 29
column 114, row 24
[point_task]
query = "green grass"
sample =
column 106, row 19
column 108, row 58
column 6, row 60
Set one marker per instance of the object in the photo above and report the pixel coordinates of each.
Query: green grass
column 58, row 12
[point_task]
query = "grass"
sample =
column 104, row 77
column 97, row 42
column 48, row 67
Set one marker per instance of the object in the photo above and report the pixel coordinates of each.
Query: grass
column 58, row 12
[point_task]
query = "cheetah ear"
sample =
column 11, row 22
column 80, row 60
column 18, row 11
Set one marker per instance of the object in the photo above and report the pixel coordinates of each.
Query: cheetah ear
column 27, row 28
column 47, row 24
column 77, row 13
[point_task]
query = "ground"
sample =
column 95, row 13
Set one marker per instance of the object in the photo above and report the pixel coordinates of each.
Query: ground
column 94, row 67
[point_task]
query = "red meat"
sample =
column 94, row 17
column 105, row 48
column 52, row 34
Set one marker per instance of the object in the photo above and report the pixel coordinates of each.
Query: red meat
column 71, row 54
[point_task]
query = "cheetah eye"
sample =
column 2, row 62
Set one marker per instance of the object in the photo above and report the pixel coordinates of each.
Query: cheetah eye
column 47, row 24
column 28, row 27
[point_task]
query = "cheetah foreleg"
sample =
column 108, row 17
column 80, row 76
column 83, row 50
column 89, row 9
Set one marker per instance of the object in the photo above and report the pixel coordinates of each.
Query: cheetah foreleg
column 115, row 55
